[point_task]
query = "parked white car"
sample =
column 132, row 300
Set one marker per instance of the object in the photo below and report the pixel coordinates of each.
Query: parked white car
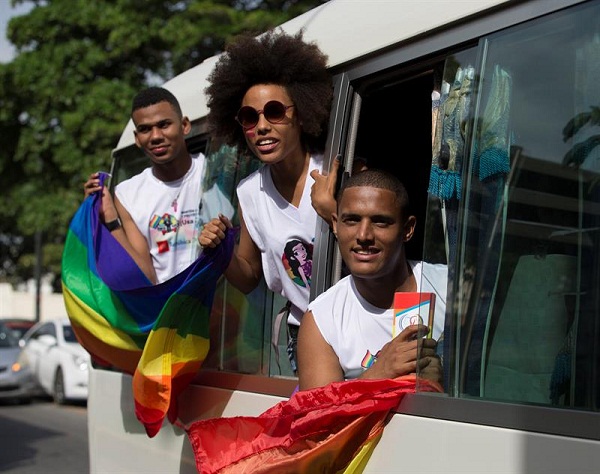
column 59, row 364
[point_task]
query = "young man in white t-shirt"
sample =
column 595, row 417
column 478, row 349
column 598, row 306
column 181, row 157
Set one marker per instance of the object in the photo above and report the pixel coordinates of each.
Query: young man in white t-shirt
column 156, row 215
column 347, row 331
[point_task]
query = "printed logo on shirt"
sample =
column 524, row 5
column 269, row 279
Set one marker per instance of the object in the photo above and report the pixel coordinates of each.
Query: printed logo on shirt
column 369, row 359
column 297, row 261
column 170, row 233
column 164, row 224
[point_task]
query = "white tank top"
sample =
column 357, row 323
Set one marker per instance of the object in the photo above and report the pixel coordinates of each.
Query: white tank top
column 357, row 330
column 284, row 234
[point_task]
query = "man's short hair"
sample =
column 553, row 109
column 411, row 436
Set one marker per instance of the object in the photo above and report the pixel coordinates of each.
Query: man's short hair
column 379, row 179
column 152, row 96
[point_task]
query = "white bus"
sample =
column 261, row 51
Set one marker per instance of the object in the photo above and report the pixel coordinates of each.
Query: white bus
column 506, row 192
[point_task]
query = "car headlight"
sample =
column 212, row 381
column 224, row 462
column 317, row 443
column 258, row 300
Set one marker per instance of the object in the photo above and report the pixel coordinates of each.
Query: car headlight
column 21, row 363
column 80, row 362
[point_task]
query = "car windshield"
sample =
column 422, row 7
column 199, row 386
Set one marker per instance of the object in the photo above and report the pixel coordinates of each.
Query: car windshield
column 7, row 339
column 19, row 328
column 69, row 334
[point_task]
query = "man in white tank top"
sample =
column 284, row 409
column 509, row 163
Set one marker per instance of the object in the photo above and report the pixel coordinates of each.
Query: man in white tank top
column 156, row 215
column 347, row 331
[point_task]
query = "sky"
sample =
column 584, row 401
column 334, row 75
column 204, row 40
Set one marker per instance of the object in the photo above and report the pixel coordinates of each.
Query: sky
column 6, row 12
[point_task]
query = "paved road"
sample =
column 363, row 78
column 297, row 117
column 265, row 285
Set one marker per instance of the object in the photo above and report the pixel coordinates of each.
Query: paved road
column 43, row 438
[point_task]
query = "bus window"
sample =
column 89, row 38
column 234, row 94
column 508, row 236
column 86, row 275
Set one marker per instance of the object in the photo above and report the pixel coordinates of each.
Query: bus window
column 527, row 271
column 505, row 191
column 241, row 325
column 396, row 132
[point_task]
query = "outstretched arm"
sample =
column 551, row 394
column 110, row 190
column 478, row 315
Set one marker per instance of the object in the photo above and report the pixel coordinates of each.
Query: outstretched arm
column 245, row 269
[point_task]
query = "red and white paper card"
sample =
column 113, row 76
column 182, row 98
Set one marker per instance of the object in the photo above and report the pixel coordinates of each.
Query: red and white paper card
column 413, row 308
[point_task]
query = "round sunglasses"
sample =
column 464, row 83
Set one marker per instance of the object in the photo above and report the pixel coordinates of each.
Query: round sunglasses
column 274, row 111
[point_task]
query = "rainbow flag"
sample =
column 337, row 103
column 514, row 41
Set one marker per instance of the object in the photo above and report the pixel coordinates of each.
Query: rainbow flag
column 330, row 429
column 158, row 333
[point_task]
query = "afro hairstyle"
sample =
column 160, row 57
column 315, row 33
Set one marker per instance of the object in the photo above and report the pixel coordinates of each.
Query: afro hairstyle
column 273, row 58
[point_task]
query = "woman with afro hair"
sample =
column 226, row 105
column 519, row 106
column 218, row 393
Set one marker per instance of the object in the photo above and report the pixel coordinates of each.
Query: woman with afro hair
column 271, row 96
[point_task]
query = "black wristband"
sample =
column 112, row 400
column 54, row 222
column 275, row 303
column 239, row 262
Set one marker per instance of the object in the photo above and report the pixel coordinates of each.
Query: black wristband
column 113, row 225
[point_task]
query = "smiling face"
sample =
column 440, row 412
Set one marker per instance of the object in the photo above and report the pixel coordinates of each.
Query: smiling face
column 371, row 232
column 273, row 142
column 160, row 133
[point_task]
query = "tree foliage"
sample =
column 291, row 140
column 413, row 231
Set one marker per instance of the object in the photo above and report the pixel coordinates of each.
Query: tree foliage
column 65, row 98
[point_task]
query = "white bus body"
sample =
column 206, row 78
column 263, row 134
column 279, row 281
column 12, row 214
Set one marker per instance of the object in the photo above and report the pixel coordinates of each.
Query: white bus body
column 522, row 334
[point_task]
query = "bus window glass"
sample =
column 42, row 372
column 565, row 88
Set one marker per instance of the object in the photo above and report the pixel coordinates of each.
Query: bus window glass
column 241, row 325
column 529, row 240
column 451, row 101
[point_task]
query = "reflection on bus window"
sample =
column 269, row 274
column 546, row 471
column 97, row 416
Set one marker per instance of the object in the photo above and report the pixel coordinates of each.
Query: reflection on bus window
column 530, row 236
column 240, row 324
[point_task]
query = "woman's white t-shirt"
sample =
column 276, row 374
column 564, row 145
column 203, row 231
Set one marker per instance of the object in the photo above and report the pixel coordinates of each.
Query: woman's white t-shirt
column 283, row 233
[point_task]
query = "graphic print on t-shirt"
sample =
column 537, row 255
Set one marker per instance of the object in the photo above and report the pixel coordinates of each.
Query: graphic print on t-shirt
column 297, row 260
column 369, row 359
column 168, row 232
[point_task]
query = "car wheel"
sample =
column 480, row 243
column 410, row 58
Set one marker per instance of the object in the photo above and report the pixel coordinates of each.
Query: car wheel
column 59, row 388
